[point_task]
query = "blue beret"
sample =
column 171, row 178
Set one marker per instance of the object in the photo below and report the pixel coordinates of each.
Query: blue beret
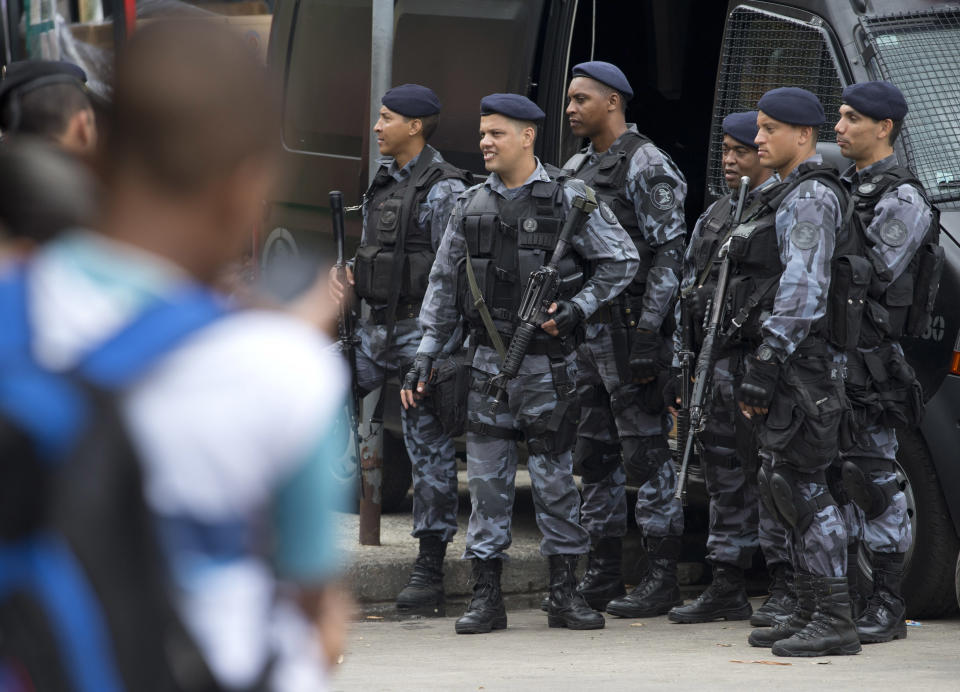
column 879, row 100
column 604, row 72
column 26, row 75
column 511, row 105
column 792, row 105
column 411, row 100
column 742, row 127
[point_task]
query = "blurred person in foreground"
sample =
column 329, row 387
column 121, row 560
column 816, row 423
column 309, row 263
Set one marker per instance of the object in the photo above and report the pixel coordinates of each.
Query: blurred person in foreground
column 232, row 425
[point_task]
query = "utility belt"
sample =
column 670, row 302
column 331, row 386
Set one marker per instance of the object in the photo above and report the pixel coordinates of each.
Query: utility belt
column 405, row 311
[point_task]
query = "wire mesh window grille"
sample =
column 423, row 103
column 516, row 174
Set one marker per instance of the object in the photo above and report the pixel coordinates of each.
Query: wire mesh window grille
column 762, row 51
column 920, row 53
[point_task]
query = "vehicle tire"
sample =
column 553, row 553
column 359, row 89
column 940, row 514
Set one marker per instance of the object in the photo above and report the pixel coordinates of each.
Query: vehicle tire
column 930, row 571
column 956, row 578
column 397, row 474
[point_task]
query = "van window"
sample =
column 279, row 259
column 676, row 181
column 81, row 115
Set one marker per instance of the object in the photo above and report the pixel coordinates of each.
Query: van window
column 328, row 77
column 920, row 53
column 761, row 51
column 464, row 50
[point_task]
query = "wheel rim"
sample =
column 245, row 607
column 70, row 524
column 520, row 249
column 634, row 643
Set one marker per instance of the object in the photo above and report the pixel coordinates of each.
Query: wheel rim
column 863, row 556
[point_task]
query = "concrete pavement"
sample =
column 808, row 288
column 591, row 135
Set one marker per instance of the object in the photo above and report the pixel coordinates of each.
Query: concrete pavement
column 425, row 654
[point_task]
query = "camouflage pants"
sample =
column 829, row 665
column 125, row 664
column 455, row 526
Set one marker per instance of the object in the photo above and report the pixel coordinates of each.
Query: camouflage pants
column 533, row 408
column 890, row 532
column 611, row 420
column 432, row 455
column 822, row 548
column 731, row 484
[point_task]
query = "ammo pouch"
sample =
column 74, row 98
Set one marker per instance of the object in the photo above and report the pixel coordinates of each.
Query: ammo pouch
column 883, row 389
column 743, row 302
column 374, row 264
column 451, row 385
column 803, row 422
column 930, row 268
column 845, row 306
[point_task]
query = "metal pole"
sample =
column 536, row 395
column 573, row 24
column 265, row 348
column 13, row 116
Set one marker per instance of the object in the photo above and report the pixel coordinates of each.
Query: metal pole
column 370, row 432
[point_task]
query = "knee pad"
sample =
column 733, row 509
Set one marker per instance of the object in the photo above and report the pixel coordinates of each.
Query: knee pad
column 796, row 510
column 872, row 498
column 595, row 459
column 643, row 457
column 766, row 496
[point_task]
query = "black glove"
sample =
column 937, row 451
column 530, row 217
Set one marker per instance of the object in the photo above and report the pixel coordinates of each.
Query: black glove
column 759, row 382
column 420, row 371
column 645, row 354
column 671, row 391
column 567, row 316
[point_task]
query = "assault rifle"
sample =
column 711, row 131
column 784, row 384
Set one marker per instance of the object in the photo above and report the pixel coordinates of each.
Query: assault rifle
column 703, row 373
column 540, row 292
column 346, row 325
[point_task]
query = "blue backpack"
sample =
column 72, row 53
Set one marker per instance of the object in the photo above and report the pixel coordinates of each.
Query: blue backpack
column 85, row 601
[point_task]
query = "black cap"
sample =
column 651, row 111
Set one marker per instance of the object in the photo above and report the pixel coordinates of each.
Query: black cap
column 411, row 100
column 26, row 75
column 511, row 105
column 606, row 73
column 879, row 100
column 742, row 127
column 792, row 105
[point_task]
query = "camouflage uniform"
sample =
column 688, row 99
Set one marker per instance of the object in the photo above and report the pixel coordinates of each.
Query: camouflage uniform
column 533, row 406
column 890, row 532
column 612, row 415
column 807, row 222
column 431, row 451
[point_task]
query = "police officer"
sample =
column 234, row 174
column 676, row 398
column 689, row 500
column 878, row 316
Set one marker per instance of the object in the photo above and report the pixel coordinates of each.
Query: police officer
column 502, row 230
column 405, row 211
column 899, row 238
column 729, row 450
column 48, row 99
column 792, row 383
column 622, row 409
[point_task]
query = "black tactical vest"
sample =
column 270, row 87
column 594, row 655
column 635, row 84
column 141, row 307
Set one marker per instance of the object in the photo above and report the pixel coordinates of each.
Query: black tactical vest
column 608, row 177
column 908, row 302
column 713, row 231
column 507, row 240
column 385, row 211
column 756, row 268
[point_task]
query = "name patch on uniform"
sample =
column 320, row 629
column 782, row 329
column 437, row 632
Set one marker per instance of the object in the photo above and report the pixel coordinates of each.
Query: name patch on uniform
column 805, row 235
column 663, row 197
column 894, row 232
column 607, row 213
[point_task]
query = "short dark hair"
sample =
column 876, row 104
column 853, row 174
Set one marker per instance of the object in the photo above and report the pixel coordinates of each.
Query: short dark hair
column 192, row 102
column 895, row 131
column 44, row 111
column 428, row 125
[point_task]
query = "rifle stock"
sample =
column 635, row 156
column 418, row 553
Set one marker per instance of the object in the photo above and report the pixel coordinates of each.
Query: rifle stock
column 703, row 373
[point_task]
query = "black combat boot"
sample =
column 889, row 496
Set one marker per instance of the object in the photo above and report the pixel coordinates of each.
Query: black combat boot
column 724, row 599
column 425, row 587
column 782, row 599
column 659, row 592
column 486, row 610
column 858, row 600
column 831, row 631
column 805, row 604
column 568, row 608
column 883, row 620
column 603, row 579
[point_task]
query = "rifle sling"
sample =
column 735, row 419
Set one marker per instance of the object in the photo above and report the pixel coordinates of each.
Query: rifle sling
column 481, row 305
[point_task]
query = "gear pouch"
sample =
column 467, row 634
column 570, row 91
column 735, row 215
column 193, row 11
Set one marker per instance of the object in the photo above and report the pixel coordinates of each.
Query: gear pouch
column 848, row 294
column 371, row 273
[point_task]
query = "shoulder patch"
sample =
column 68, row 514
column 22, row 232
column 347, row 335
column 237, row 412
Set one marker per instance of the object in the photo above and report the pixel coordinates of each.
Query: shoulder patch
column 607, row 213
column 663, row 197
column 893, row 232
column 805, row 235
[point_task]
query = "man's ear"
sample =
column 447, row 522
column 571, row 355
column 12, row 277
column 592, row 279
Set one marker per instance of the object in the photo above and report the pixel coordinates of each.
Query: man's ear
column 80, row 135
column 415, row 127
